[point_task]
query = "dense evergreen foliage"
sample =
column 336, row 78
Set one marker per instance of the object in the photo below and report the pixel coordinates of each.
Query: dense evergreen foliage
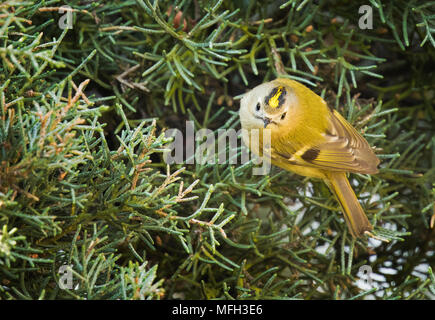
column 83, row 181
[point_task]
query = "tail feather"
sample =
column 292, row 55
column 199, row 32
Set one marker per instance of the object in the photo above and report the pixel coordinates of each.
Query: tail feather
column 353, row 213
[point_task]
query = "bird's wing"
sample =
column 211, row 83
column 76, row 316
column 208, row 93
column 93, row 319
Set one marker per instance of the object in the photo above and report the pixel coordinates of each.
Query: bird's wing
column 342, row 149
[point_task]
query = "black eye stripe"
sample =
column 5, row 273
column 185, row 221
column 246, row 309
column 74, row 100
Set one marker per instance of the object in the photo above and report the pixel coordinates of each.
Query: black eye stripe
column 258, row 106
column 283, row 115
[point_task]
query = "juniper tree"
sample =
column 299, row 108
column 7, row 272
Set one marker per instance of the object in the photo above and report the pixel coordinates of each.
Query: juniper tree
column 83, row 182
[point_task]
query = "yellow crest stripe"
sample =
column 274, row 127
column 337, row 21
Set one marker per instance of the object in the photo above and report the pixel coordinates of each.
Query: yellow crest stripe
column 275, row 99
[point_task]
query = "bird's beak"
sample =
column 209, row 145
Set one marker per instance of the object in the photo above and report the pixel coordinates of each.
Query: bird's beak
column 266, row 121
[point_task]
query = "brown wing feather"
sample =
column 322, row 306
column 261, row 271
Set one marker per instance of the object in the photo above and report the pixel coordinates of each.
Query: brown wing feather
column 344, row 149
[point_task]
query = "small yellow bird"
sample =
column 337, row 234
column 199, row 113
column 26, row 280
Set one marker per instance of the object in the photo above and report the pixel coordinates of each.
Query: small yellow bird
column 310, row 139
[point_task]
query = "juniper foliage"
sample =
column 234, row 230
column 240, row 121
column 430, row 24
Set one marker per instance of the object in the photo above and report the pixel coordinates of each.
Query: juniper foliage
column 83, row 182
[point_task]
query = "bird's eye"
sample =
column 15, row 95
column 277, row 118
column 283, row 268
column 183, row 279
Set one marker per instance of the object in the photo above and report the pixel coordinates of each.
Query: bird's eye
column 283, row 115
column 258, row 107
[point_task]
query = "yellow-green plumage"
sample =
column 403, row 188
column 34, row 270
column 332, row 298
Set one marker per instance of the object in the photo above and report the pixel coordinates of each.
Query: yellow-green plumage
column 312, row 140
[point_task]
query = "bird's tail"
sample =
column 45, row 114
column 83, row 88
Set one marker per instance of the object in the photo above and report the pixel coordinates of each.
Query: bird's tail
column 354, row 215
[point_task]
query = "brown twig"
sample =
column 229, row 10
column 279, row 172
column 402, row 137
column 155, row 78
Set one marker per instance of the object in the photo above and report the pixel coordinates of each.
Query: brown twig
column 50, row 9
column 279, row 66
column 132, row 85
